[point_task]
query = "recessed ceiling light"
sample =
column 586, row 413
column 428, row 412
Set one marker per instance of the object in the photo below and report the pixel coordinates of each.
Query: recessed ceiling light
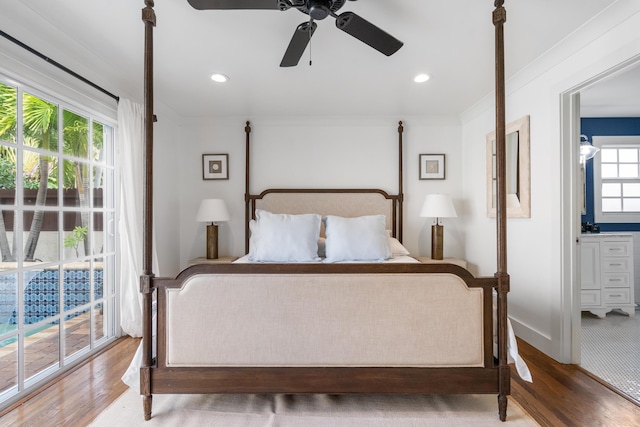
column 219, row 78
column 421, row 78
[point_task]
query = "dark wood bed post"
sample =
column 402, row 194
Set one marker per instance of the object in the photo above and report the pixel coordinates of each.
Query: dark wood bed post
column 400, row 189
column 247, row 200
column 499, row 18
column 149, row 19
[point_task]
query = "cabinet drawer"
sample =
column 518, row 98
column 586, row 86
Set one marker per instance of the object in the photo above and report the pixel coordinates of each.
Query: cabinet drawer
column 613, row 280
column 590, row 298
column 613, row 248
column 616, row 264
column 612, row 296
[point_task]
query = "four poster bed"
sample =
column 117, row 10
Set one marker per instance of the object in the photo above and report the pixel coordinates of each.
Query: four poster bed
column 324, row 327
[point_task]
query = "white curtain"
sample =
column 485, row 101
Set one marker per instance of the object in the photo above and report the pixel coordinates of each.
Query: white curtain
column 130, row 226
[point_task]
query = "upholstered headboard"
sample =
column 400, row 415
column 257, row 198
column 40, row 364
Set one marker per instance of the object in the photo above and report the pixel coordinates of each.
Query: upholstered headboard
column 341, row 202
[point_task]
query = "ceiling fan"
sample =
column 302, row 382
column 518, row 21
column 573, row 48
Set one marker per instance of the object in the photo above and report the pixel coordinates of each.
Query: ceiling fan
column 317, row 10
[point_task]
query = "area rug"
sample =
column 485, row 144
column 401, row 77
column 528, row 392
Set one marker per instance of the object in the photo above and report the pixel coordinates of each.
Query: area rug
column 317, row 410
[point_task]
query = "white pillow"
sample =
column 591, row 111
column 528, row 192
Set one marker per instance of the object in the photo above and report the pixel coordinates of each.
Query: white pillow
column 362, row 238
column 284, row 237
column 253, row 238
column 397, row 248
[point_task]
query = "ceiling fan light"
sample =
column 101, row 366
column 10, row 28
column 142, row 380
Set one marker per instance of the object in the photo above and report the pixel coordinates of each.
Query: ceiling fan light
column 319, row 9
column 421, row 78
column 219, row 78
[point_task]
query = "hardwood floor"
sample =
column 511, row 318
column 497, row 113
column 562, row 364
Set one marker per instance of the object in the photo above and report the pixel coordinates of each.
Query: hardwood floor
column 77, row 398
column 565, row 395
column 561, row 395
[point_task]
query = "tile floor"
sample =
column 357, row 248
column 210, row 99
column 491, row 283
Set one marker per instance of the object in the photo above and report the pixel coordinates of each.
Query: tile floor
column 611, row 350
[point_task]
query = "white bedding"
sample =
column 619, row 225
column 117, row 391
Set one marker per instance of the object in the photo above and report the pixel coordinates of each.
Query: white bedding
column 396, row 259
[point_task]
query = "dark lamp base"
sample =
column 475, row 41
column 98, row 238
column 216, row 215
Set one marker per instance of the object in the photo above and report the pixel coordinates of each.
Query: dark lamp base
column 437, row 241
column 212, row 241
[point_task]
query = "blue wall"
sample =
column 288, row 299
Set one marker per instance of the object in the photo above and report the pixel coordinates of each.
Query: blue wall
column 606, row 127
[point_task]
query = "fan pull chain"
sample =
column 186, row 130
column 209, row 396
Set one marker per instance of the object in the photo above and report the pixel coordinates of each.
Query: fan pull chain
column 310, row 33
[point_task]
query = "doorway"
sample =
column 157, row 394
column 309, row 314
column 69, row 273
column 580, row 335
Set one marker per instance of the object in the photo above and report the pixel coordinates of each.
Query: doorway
column 607, row 346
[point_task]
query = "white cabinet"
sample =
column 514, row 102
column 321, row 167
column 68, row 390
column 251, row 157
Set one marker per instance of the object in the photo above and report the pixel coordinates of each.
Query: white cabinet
column 607, row 273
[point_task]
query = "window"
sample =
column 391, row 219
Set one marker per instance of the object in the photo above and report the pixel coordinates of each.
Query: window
column 57, row 212
column 617, row 179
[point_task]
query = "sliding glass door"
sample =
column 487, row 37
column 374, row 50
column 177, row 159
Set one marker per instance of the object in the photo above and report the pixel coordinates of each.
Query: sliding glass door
column 57, row 241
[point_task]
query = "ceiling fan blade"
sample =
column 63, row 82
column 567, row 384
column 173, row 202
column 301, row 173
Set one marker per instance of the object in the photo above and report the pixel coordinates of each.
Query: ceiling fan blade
column 234, row 4
column 368, row 33
column 298, row 44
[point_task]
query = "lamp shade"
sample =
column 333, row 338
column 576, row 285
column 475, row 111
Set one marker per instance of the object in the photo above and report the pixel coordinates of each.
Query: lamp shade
column 438, row 206
column 212, row 210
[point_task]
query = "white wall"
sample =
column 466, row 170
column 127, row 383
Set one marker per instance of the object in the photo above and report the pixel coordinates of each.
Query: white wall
column 308, row 152
column 538, row 301
column 168, row 143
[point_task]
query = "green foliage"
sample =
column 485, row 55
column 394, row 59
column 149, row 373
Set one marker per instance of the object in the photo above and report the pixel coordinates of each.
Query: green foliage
column 33, row 182
column 40, row 120
column 8, row 96
column 7, row 173
column 82, row 139
column 40, row 130
column 76, row 237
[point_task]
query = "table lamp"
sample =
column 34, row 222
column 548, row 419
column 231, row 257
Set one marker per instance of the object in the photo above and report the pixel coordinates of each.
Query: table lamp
column 214, row 211
column 437, row 206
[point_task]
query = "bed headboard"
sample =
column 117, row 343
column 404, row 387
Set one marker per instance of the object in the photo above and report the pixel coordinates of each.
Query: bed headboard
column 340, row 202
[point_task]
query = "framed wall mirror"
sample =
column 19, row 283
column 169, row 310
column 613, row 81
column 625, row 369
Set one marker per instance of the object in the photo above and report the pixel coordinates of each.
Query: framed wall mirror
column 518, row 170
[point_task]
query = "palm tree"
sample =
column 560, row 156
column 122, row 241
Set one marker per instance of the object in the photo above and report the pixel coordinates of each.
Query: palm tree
column 76, row 174
column 40, row 125
column 8, row 96
column 40, row 130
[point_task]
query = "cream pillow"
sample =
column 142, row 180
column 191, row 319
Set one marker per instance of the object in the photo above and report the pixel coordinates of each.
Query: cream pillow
column 397, row 248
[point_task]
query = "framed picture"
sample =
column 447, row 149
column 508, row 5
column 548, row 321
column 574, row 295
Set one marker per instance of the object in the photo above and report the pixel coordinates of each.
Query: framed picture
column 215, row 166
column 431, row 166
column 517, row 170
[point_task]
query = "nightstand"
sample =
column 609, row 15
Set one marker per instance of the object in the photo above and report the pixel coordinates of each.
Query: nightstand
column 427, row 260
column 219, row 260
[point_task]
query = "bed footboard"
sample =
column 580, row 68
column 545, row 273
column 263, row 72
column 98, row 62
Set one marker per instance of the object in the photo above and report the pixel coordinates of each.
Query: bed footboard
column 342, row 328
